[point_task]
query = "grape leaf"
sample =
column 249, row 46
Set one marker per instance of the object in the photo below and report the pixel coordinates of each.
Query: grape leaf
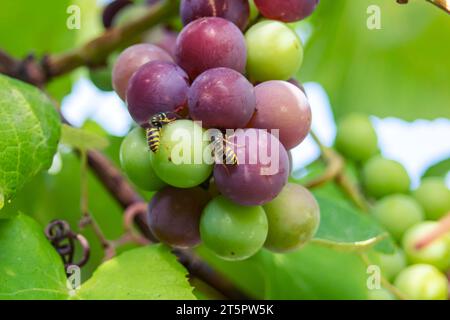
column 146, row 273
column 314, row 272
column 340, row 223
column 30, row 130
column 30, row 268
column 82, row 139
column 392, row 71
column 440, row 169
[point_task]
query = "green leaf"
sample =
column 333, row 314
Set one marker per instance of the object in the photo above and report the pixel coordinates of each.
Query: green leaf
column 29, row 131
column 30, row 268
column 313, row 272
column 82, row 139
column 57, row 196
column 355, row 230
column 440, row 169
column 393, row 71
column 146, row 273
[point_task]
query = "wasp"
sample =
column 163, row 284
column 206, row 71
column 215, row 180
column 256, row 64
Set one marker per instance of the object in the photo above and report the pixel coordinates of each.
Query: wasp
column 156, row 123
column 221, row 146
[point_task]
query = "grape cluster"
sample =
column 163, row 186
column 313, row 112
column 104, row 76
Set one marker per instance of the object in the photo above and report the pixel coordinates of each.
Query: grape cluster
column 216, row 119
column 409, row 216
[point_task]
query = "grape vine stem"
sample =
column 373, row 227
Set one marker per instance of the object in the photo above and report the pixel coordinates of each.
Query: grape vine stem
column 93, row 53
column 335, row 171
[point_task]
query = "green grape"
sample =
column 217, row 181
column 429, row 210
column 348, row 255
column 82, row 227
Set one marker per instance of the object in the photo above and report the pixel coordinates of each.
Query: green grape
column 380, row 294
column 422, row 282
column 436, row 253
column 180, row 161
column 274, row 51
column 293, row 217
column 382, row 177
column 231, row 231
column 390, row 264
column 136, row 161
column 434, row 196
column 101, row 78
column 397, row 213
column 356, row 138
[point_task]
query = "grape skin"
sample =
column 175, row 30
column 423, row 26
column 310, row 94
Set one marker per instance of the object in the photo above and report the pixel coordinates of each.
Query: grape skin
column 422, row 282
column 231, row 231
column 434, row 196
column 156, row 87
column 436, row 253
column 183, row 138
column 275, row 52
column 356, row 138
column 286, row 10
column 294, row 218
column 236, row 11
column 397, row 213
column 135, row 160
column 250, row 182
column 130, row 60
column 383, row 177
column 209, row 43
column 222, row 98
column 281, row 105
column 174, row 215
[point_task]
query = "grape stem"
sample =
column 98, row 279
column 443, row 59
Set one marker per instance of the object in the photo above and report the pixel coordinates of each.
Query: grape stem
column 335, row 171
column 441, row 229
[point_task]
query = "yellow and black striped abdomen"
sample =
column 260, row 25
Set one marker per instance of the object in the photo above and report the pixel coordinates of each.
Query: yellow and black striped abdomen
column 153, row 138
column 229, row 156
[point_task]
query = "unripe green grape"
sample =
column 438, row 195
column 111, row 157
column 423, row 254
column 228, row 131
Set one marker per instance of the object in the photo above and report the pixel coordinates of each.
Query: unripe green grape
column 390, row 264
column 356, row 138
column 101, row 78
column 380, row 294
column 434, row 196
column 422, row 282
column 382, row 177
column 293, row 217
column 135, row 160
column 275, row 52
column 179, row 161
column 231, row 231
column 397, row 213
column 436, row 253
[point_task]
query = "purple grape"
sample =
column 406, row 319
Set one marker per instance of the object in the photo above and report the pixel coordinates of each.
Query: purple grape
column 222, row 98
column 255, row 180
column 286, row 10
column 168, row 41
column 236, row 11
column 157, row 86
column 281, row 105
column 111, row 11
column 132, row 59
column 174, row 215
column 209, row 43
